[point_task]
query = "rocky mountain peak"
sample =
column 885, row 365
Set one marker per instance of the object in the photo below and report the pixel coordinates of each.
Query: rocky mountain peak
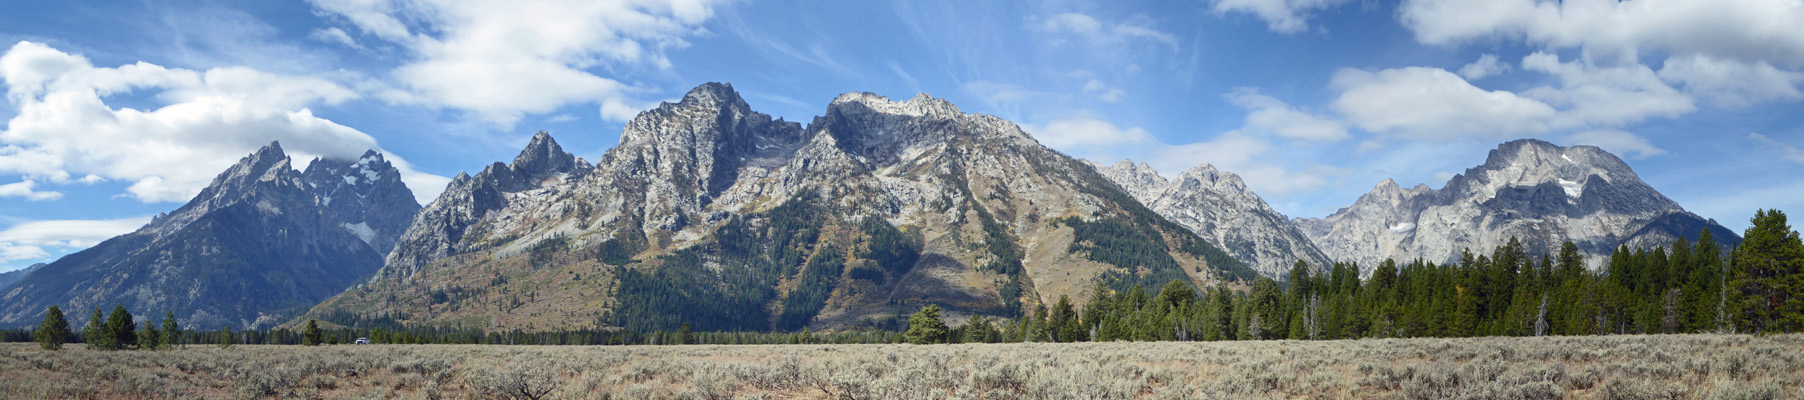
column 364, row 196
column 543, row 156
column 1218, row 206
column 922, row 105
column 1207, row 174
column 714, row 95
column 1140, row 180
column 261, row 165
column 1532, row 190
column 280, row 239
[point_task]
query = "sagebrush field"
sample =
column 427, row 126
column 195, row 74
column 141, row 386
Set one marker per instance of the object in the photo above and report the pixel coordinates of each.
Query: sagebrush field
column 1608, row 367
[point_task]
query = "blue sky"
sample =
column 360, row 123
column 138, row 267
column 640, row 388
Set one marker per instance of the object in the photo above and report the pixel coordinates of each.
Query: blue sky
column 116, row 111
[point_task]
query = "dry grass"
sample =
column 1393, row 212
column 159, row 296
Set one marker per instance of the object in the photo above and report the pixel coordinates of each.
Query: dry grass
column 1615, row 367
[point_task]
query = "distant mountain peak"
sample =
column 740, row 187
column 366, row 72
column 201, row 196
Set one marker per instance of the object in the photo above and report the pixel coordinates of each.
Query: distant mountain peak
column 921, row 105
column 1538, row 192
column 262, row 240
column 544, row 156
column 1218, row 206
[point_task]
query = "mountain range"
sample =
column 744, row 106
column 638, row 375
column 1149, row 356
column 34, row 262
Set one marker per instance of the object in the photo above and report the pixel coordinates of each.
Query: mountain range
column 259, row 245
column 1217, row 205
column 711, row 214
column 1534, row 191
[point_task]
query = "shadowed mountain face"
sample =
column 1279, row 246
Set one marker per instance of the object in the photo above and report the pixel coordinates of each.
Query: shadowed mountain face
column 7, row 278
column 712, row 214
column 1218, row 206
column 1537, row 192
column 260, row 244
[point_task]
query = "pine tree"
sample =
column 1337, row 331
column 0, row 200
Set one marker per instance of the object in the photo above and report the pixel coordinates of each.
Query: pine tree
column 54, row 331
column 150, row 338
column 311, row 335
column 120, row 326
column 1706, row 298
column 1265, row 311
column 1767, row 265
column 172, row 334
column 1064, row 321
column 225, row 338
column 925, row 326
column 96, row 334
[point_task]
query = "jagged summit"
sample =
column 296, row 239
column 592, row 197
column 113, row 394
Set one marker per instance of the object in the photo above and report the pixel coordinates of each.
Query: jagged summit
column 1541, row 193
column 544, row 156
column 262, row 241
column 1218, row 206
column 871, row 210
column 921, row 105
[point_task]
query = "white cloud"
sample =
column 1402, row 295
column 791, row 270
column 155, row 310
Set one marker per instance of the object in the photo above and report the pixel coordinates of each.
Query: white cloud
column 1282, row 16
column 1431, row 103
column 1098, row 32
column 25, row 189
column 1004, row 97
column 1616, row 141
column 205, row 122
column 1104, row 92
column 1269, row 114
column 1248, row 156
column 1083, row 132
column 29, row 240
column 1486, row 66
column 1604, row 96
column 334, row 35
column 502, row 60
column 1787, row 152
column 1737, row 29
column 11, row 252
column 1732, row 82
column 1737, row 52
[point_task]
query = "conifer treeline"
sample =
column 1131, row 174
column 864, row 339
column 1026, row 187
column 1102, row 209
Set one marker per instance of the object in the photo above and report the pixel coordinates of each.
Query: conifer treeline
column 1682, row 288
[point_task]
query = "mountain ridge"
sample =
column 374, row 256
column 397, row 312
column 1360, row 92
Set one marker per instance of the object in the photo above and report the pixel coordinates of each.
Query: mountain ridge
column 1529, row 189
column 260, row 242
column 1218, row 206
column 857, row 218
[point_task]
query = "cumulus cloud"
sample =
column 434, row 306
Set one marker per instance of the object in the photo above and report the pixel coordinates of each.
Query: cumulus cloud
column 1098, row 32
column 34, row 239
column 1616, row 141
column 1431, row 103
column 1487, row 65
column 502, row 60
column 1732, row 82
column 1737, row 29
column 1737, row 52
column 1268, row 114
column 26, row 189
column 1246, row 154
column 1786, row 151
column 1605, row 96
column 205, row 121
column 1282, row 16
column 1249, row 156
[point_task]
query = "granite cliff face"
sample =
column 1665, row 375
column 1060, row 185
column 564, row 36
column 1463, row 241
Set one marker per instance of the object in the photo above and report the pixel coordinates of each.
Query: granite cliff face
column 1535, row 191
column 260, row 244
column 710, row 213
column 1218, row 206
